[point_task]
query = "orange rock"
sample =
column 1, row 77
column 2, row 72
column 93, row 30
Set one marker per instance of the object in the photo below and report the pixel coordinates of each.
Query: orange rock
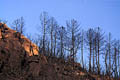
column 30, row 48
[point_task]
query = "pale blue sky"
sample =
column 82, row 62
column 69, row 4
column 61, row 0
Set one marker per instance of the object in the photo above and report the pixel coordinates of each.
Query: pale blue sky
column 90, row 13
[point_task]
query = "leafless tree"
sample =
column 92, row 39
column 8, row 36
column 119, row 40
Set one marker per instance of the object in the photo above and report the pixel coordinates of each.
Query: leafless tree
column 55, row 38
column 108, row 54
column 89, row 41
column 61, row 36
column 44, row 20
column 52, row 31
column 100, row 45
column 74, row 35
column 19, row 25
column 115, row 59
column 118, row 57
column 82, row 48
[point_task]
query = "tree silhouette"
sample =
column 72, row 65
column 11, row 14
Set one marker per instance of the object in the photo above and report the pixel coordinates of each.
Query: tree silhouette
column 74, row 36
column 44, row 20
column 19, row 25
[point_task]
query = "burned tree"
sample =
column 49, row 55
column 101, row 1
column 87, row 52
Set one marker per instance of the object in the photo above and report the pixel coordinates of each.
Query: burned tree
column 19, row 25
column 74, row 34
column 61, row 36
column 100, row 45
column 52, row 31
column 82, row 48
column 89, row 41
column 109, row 50
column 44, row 20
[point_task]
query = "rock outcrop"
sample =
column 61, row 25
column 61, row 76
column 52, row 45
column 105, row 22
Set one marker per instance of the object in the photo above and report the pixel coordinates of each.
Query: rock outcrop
column 9, row 34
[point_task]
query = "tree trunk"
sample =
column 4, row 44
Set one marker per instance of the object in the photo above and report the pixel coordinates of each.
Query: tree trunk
column 93, row 60
column 82, row 51
column 55, row 44
column 115, row 59
column 98, row 57
column 106, row 54
column 51, row 41
column 90, row 57
column 44, row 34
column 109, row 55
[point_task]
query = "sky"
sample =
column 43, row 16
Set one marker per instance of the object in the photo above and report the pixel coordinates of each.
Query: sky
column 89, row 13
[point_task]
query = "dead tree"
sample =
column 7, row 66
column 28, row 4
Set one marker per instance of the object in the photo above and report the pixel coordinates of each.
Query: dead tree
column 19, row 25
column 55, row 38
column 100, row 45
column 74, row 36
column 82, row 48
column 52, row 32
column 89, row 42
column 115, row 58
column 108, row 54
column 61, row 36
column 118, row 57
column 44, row 20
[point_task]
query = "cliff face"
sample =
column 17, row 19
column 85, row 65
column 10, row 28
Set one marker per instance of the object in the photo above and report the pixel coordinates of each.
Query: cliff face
column 9, row 34
column 20, row 60
column 19, row 57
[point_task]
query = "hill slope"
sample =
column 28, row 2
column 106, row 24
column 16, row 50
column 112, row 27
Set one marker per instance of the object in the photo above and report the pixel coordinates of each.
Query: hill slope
column 19, row 62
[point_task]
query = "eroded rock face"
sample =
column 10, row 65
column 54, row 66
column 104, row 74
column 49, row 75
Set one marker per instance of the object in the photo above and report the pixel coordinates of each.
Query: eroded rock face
column 15, row 55
column 31, row 48
column 7, row 33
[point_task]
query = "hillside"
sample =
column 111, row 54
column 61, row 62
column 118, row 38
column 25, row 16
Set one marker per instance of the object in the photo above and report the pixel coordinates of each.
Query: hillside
column 20, row 60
